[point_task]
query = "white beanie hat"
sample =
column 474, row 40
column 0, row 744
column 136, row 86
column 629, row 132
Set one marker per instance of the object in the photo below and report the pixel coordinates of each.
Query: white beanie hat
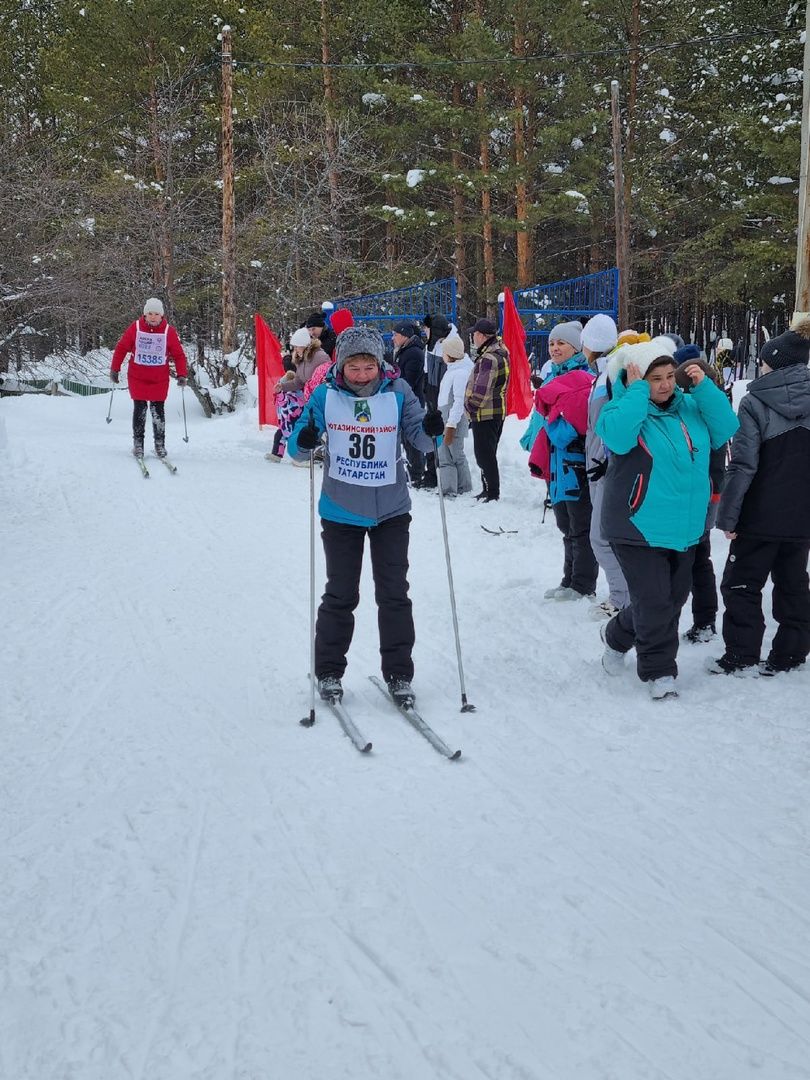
column 644, row 354
column 300, row 338
column 452, row 347
column 569, row 332
column 600, row 334
column 153, row 306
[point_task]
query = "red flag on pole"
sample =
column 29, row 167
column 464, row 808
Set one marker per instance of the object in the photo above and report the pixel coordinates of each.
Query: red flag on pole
column 269, row 368
column 519, row 388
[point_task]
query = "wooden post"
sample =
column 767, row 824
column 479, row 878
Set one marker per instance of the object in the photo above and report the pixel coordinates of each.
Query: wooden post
column 228, row 215
column 622, row 245
column 803, row 246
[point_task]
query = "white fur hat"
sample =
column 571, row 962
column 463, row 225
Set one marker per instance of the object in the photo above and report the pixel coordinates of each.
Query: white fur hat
column 600, row 334
column 643, row 355
column 153, row 306
column 300, row 338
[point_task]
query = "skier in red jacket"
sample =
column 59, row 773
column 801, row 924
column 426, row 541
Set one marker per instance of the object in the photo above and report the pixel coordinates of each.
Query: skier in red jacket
column 150, row 343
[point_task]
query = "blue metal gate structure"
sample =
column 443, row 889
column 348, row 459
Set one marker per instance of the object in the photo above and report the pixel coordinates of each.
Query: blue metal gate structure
column 412, row 302
column 541, row 307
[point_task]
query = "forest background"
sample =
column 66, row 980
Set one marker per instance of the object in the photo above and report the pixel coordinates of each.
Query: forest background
column 382, row 144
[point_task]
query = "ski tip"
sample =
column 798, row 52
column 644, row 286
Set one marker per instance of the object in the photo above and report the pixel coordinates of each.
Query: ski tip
column 455, row 757
column 365, row 749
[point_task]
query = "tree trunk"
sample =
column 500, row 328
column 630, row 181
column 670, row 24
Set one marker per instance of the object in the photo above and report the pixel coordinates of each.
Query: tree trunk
column 331, row 147
column 228, row 222
column 523, row 235
column 163, row 263
column 634, row 40
column 486, row 207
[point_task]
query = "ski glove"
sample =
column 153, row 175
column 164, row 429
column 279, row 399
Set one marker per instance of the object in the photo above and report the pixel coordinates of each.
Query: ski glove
column 309, row 438
column 113, row 376
column 182, row 381
column 433, row 424
column 597, row 471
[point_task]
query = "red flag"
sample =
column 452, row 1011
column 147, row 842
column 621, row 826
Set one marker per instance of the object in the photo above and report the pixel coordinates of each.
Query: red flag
column 269, row 368
column 519, row 388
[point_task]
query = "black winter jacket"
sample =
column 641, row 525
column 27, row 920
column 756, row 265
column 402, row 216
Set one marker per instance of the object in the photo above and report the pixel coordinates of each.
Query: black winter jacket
column 410, row 359
column 767, row 490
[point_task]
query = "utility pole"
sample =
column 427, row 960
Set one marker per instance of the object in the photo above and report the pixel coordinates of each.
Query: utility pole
column 228, row 216
column 803, row 246
column 620, row 211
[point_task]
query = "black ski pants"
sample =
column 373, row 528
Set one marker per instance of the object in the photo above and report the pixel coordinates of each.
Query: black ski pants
column 343, row 547
column 750, row 562
column 580, row 568
column 704, row 585
column 658, row 581
column 158, row 422
column 486, row 436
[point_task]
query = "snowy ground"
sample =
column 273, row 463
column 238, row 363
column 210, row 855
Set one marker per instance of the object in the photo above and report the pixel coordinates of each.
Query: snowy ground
column 194, row 886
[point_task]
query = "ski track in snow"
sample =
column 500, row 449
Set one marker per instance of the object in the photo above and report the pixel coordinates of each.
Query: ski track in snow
column 192, row 885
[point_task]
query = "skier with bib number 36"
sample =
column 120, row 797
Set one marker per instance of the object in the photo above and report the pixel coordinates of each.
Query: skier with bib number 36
column 364, row 409
column 150, row 343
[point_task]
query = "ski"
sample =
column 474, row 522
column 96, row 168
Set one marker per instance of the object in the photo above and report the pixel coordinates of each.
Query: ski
column 172, row 468
column 349, row 727
column 142, row 467
column 417, row 723
column 500, row 531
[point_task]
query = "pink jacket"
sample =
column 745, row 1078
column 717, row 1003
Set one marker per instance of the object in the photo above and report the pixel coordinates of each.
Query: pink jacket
column 564, row 398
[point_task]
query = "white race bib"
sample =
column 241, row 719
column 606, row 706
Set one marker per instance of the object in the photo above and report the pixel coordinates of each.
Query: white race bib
column 150, row 349
column 362, row 436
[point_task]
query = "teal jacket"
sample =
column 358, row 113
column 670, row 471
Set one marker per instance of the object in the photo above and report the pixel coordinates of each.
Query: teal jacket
column 657, row 486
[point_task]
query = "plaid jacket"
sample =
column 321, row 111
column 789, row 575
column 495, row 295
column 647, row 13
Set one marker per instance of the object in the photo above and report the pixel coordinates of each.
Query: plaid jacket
column 485, row 398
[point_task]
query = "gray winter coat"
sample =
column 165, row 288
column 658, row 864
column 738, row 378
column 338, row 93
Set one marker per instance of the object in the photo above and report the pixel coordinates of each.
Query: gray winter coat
column 767, row 490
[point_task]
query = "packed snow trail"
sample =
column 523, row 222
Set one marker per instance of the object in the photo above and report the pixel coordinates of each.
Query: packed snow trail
column 193, row 885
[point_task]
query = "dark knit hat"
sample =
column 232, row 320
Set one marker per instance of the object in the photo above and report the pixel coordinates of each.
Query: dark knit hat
column 356, row 340
column 686, row 352
column 407, row 329
column 317, row 318
column 792, row 347
column 484, row 326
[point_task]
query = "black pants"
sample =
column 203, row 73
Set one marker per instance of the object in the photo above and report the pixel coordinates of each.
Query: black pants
column 486, row 436
column 658, row 581
column 416, row 463
column 750, row 561
column 343, row 546
column 139, row 422
column 580, row 568
column 704, row 585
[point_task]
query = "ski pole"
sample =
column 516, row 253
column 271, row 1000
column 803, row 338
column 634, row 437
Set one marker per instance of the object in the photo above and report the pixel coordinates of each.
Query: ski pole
column 308, row 721
column 185, row 425
column 465, row 705
column 109, row 411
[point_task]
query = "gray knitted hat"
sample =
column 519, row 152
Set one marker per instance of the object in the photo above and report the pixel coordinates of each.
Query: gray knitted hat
column 359, row 339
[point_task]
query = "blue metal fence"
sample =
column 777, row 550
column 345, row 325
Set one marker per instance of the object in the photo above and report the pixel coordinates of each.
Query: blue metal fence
column 412, row 302
column 541, row 307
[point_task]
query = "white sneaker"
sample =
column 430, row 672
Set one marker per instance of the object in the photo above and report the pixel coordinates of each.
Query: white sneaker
column 612, row 659
column 551, row 594
column 572, row 594
column 273, row 457
column 605, row 610
column 662, row 688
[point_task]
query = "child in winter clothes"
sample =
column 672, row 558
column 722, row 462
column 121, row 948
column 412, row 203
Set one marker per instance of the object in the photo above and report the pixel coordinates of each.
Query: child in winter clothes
column 454, row 469
column 365, row 410
column 307, row 357
column 150, row 344
column 656, row 494
column 765, row 512
column 558, row 455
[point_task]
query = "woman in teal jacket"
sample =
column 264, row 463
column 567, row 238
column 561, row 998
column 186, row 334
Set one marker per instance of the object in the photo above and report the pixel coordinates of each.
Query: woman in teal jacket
column 657, row 491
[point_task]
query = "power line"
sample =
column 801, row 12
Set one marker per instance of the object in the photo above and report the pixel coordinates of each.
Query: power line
column 618, row 50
